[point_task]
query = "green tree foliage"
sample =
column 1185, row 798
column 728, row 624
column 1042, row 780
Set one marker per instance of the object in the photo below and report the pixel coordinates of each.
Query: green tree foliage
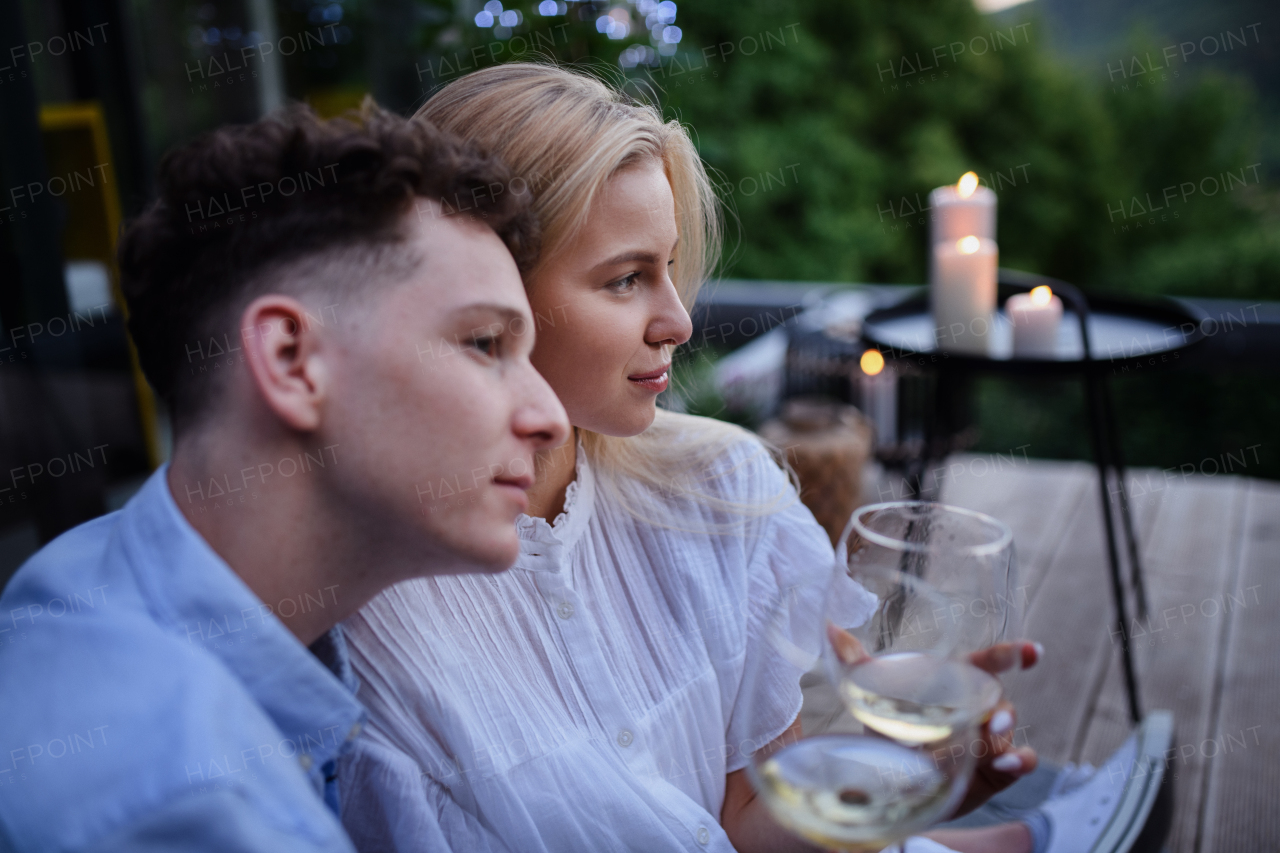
column 454, row 44
column 829, row 121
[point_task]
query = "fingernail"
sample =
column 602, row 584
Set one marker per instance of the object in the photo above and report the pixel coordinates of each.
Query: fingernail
column 1039, row 647
column 1007, row 763
column 1001, row 722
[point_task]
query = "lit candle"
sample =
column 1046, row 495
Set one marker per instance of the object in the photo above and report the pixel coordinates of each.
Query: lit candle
column 963, row 209
column 1035, row 317
column 964, row 293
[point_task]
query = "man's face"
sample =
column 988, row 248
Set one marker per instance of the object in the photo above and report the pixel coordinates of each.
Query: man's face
column 435, row 404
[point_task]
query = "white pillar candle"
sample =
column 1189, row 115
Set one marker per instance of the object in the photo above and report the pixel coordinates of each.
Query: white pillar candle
column 961, row 210
column 964, row 294
column 1035, row 317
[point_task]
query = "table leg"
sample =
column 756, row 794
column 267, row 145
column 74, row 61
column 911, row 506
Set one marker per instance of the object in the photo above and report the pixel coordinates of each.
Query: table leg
column 1126, row 516
column 1098, row 431
column 932, row 427
column 947, row 421
column 913, row 476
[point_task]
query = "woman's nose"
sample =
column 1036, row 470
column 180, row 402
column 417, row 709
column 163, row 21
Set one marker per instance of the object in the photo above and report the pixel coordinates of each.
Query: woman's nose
column 671, row 323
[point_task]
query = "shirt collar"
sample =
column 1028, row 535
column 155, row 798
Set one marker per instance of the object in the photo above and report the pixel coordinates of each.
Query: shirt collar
column 195, row 593
column 331, row 650
column 543, row 546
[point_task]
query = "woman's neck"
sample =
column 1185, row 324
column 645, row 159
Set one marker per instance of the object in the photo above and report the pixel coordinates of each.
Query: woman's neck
column 554, row 470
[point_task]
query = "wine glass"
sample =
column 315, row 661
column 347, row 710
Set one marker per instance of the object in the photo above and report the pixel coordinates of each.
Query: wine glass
column 839, row 783
column 890, row 637
column 965, row 555
column 858, row 792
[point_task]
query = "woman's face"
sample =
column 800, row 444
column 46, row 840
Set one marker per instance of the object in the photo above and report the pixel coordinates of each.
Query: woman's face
column 606, row 312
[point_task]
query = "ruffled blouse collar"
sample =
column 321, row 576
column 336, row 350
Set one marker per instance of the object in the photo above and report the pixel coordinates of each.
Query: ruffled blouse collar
column 543, row 546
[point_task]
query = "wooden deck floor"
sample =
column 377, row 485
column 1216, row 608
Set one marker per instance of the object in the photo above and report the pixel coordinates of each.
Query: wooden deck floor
column 1211, row 552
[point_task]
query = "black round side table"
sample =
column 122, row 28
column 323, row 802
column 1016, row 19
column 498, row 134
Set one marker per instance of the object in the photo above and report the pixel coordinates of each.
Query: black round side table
column 1098, row 338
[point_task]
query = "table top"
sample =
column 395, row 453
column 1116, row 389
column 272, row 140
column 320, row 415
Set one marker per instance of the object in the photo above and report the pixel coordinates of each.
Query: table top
column 1118, row 331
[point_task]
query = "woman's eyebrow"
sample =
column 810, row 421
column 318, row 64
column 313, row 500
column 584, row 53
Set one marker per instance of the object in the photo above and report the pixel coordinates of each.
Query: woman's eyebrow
column 638, row 256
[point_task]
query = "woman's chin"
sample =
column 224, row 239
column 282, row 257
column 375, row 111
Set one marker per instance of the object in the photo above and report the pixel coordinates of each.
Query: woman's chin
column 625, row 421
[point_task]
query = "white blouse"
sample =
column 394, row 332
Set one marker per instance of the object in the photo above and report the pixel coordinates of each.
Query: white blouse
column 594, row 697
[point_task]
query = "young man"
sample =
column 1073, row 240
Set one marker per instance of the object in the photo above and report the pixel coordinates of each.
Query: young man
column 336, row 339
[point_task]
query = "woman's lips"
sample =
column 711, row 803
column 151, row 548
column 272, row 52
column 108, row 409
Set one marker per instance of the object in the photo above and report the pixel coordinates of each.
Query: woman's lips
column 654, row 380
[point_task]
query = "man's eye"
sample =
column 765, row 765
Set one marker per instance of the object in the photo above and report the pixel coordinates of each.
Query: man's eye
column 486, row 345
column 622, row 285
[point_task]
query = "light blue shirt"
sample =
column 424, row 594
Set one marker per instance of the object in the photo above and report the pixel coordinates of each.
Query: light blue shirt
column 150, row 701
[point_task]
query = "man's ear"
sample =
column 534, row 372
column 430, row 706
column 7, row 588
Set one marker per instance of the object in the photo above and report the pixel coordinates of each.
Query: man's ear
column 285, row 361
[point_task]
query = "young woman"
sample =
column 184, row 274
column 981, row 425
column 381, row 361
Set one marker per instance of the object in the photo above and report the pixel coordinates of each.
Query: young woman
column 602, row 695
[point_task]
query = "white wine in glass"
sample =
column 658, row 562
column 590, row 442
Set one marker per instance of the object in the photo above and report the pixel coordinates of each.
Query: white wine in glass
column 858, row 793
column 917, row 698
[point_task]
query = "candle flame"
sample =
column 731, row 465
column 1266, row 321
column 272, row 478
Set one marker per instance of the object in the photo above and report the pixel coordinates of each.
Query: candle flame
column 968, row 245
column 1041, row 295
column 968, row 183
column 872, row 362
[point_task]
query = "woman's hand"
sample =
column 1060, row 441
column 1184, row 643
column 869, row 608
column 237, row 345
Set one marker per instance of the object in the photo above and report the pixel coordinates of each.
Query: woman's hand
column 1000, row 764
column 746, row 818
column 848, row 648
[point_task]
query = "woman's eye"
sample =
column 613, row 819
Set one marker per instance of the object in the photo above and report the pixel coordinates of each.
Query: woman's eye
column 622, row 285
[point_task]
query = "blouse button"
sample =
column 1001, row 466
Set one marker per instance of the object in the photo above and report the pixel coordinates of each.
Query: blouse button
column 565, row 609
column 704, row 837
column 305, row 761
column 625, row 738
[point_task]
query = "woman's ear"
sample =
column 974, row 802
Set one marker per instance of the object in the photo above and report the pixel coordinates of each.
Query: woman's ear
column 286, row 364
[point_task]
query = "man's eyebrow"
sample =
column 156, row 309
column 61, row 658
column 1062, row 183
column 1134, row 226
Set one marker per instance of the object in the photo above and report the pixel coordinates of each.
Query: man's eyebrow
column 505, row 311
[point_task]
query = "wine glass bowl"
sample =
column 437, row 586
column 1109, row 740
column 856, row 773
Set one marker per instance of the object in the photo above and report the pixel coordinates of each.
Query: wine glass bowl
column 860, row 793
column 966, row 556
column 888, row 611
column 872, row 614
column 918, row 699
column 889, row 640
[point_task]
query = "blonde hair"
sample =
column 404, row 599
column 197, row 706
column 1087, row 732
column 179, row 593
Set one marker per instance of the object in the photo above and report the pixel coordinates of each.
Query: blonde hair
column 566, row 134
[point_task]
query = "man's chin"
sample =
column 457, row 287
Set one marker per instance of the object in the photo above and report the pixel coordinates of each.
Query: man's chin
column 486, row 554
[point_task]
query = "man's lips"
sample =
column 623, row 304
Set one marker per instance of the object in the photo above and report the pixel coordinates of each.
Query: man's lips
column 519, row 489
column 524, row 482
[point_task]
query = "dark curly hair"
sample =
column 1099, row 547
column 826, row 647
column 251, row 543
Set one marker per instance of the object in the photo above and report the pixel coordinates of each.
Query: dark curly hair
column 243, row 204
